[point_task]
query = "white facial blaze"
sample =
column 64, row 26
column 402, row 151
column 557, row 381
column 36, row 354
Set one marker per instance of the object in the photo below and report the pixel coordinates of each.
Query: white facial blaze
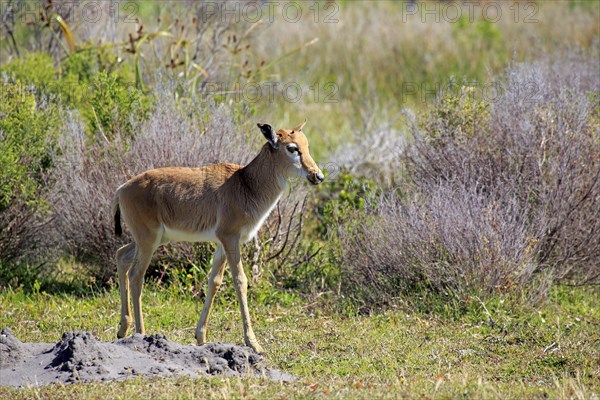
column 296, row 169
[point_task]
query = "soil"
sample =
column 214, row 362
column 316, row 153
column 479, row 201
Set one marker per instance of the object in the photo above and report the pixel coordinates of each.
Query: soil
column 79, row 357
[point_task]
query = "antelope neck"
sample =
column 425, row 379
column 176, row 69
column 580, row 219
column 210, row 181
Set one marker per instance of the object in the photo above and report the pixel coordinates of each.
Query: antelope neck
column 262, row 179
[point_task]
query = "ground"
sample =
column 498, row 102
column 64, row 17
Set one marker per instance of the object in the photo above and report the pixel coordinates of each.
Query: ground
column 552, row 351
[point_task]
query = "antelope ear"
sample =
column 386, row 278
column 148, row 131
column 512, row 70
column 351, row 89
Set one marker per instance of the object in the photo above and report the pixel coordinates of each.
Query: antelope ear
column 299, row 127
column 267, row 131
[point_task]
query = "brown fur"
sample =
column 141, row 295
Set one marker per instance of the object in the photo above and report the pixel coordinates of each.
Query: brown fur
column 224, row 203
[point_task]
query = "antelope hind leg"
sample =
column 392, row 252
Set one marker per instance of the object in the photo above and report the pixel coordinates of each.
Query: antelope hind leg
column 125, row 257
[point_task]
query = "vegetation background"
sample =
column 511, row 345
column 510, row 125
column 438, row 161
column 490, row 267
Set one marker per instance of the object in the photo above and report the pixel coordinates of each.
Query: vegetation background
column 452, row 252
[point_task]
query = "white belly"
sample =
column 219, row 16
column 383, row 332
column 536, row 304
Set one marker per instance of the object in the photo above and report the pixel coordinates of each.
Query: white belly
column 174, row 235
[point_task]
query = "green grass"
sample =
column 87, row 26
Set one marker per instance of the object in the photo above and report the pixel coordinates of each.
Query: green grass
column 550, row 352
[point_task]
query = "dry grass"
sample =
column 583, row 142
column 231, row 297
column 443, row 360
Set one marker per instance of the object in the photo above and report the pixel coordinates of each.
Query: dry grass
column 378, row 53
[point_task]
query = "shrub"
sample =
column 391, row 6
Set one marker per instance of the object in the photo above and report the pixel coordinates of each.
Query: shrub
column 341, row 195
column 503, row 195
column 28, row 129
column 79, row 67
column 113, row 106
column 34, row 69
column 448, row 241
column 67, row 81
column 539, row 146
column 105, row 100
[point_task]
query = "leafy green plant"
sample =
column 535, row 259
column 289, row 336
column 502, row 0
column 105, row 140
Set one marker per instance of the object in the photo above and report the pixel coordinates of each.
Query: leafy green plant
column 105, row 99
column 34, row 69
column 79, row 67
column 341, row 195
column 28, row 131
column 113, row 104
column 337, row 199
column 459, row 115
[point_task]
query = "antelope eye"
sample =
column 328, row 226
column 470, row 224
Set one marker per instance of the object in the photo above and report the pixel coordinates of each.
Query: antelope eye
column 292, row 149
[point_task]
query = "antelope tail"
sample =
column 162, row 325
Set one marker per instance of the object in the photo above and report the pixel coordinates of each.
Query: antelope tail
column 116, row 211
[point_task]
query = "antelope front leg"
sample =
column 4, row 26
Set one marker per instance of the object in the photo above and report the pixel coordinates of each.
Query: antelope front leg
column 214, row 282
column 136, row 279
column 241, row 289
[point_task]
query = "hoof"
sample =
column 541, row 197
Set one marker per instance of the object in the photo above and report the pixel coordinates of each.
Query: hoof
column 124, row 327
column 200, row 339
column 255, row 346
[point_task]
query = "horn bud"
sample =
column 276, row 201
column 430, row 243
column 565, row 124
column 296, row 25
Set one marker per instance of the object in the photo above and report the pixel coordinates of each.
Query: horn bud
column 299, row 127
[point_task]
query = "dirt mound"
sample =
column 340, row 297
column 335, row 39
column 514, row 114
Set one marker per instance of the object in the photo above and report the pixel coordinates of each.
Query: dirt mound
column 11, row 349
column 78, row 357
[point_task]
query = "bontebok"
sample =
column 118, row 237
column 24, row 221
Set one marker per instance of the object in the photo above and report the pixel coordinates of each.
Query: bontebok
column 221, row 203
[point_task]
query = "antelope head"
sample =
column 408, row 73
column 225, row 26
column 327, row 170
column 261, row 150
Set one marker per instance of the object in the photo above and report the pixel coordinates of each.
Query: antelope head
column 290, row 149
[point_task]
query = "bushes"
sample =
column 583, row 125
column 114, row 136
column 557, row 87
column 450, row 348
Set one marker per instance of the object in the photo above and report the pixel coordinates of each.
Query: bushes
column 113, row 106
column 493, row 196
column 67, row 81
column 447, row 241
column 106, row 100
column 34, row 95
column 540, row 147
column 28, row 129
column 504, row 195
column 35, row 69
